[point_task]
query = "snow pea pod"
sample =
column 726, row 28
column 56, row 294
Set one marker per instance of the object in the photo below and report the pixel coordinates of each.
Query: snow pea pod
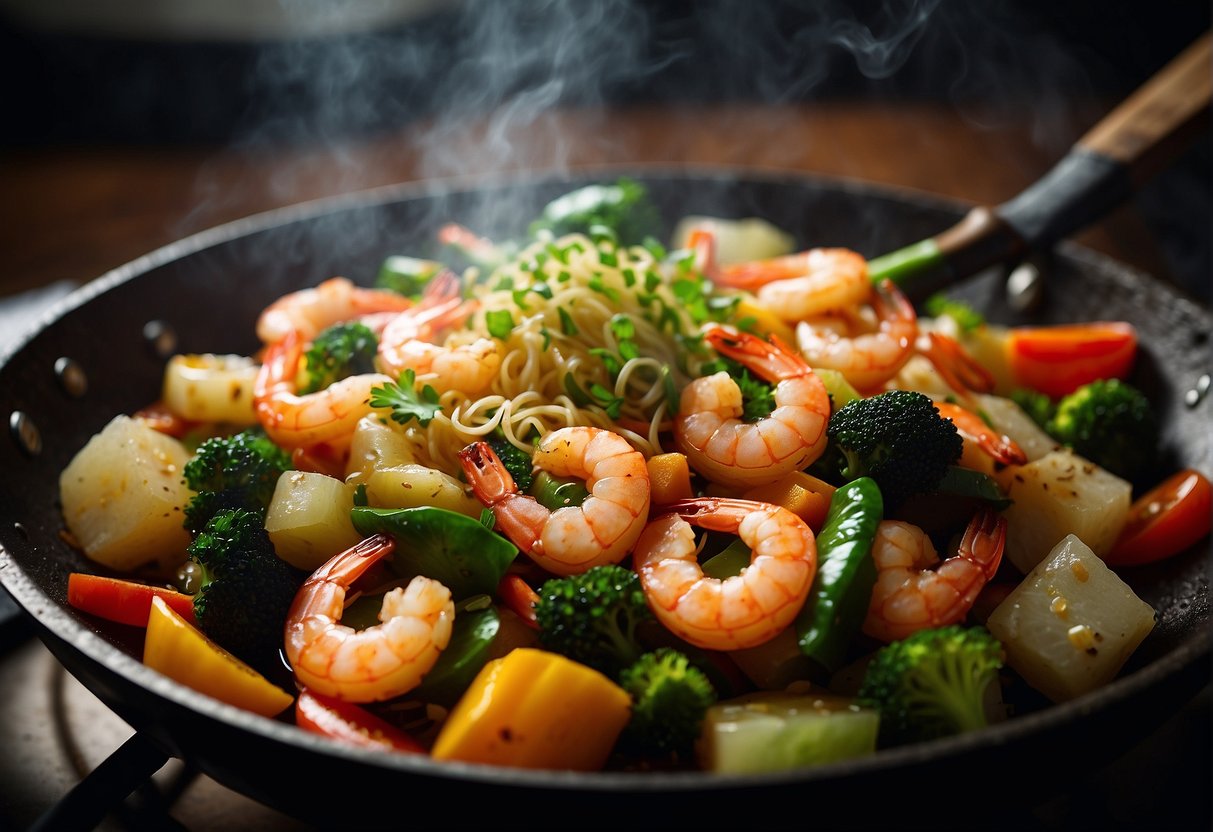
column 846, row 573
column 458, row 551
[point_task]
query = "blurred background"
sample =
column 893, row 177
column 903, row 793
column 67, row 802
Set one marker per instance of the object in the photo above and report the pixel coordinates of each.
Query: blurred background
column 129, row 124
column 134, row 122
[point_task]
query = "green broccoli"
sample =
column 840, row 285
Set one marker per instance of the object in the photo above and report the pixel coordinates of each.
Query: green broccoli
column 515, row 460
column 669, row 699
column 898, row 439
column 238, row 471
column 592, row 617
column 623, row 208
column 342, row 350
column 407, row 276
column 1039, row 407
column 245, row 589
column 933, row 683
column 966, row 317
column 1110, row 423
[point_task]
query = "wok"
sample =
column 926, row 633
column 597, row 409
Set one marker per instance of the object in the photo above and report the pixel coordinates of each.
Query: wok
column 204, row 293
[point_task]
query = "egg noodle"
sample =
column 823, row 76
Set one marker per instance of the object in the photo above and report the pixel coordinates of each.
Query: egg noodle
column 592, row 334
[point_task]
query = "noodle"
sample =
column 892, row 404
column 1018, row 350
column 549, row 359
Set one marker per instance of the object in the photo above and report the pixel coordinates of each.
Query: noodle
column 595, row 330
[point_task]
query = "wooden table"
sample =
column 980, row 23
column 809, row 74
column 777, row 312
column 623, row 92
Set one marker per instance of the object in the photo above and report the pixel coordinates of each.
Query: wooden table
column 72, row 213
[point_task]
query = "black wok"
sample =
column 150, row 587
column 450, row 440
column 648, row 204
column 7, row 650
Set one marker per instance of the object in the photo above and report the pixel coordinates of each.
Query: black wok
column 203, row 294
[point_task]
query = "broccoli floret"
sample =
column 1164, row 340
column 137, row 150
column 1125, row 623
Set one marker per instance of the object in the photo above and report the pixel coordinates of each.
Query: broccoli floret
column 592, row 617
column 898, row 439
column 516, row 461
column 238, row 471
column 933, row 683
column 966, row 317
column 1110, row 423
column 246, row 590
column 342, row 350
column 669, row 699
column 624, row 208
column 1039, row 407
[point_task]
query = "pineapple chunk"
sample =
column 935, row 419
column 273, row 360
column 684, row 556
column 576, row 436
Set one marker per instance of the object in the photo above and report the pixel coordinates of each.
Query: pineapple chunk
column 309, row 519
column 409, row 486
column 211, row 388
column 1072, row 623
column 123, row 496
column 1059, row 494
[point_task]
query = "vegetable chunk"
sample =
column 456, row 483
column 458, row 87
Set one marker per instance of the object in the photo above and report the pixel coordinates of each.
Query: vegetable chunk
column 1072, row 623
column 123, row 496
column 1059, row 494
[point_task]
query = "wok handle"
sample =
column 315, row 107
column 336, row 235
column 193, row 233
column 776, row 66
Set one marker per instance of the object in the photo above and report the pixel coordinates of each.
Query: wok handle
column 1128, row 146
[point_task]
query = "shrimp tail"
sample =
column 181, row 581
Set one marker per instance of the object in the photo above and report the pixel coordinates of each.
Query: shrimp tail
column 984, row 541
column 774, row 360
column 718, row 514
column 486, row 473
column 961, row 371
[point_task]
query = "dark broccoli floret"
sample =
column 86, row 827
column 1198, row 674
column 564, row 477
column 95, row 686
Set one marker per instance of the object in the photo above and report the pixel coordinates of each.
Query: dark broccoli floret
column 516, row 461
column 898, row 439
column 1038, row 406
column 933, row 683
column 1110, row 423
column 592, row 617
column 669, row 699
column 623, row 208
column 246, row 589
column 342, row 350
column 238, row 471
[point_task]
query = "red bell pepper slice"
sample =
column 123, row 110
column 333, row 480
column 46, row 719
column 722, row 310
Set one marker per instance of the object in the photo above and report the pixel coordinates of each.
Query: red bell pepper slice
column 1057, row 360
column 125, row 602
column 1165, row 521
column 351, row 724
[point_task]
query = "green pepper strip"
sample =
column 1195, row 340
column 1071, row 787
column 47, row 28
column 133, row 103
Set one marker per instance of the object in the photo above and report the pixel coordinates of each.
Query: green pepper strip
column 838, row 599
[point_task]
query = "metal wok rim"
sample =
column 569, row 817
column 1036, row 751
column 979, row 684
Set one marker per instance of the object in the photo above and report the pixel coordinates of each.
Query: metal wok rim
column 55, row 623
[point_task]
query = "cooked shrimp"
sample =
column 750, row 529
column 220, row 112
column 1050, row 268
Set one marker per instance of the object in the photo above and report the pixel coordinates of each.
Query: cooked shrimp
column 998, row 446
column 326, row 416
column 309, row 311
column 569, row 540
column 377, row 663
column 741, row 611
column 914, row 591
column 961, row 371
column 407, row 342
column 803, row 285
column 726, row 449
column 867, row 359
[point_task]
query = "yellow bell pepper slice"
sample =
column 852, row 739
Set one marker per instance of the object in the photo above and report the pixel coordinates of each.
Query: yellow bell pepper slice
column 184, row 654
column 534, row 709
column 802, row 494
column 669, row 478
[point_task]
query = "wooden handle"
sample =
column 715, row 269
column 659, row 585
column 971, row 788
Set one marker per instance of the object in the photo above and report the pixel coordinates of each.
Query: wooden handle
column 1154, row 123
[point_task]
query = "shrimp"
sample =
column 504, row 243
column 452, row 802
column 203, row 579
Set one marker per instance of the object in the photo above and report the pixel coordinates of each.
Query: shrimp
column 572, row 539
column 728, row 450
column 914, row 591
column 998, row 446
column 741, row 611
column 869, row 359
column 294, row 421
column 380, row 662
column 959, row 370
column 802, row 285
column 407, row 344
column 309, row 311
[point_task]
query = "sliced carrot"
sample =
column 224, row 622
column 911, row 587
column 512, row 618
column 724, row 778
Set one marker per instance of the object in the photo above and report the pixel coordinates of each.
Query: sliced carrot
column 350, row 724
column 125, row 602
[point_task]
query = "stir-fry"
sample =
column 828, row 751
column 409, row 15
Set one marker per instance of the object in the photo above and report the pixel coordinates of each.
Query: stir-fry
column 582, row 501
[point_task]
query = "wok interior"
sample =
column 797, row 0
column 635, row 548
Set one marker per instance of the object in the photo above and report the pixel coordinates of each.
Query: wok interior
column 209, row 293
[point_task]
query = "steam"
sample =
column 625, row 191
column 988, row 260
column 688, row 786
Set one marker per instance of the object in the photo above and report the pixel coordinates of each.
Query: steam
column 483, row 86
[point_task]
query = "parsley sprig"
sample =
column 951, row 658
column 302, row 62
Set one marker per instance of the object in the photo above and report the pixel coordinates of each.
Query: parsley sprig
column 405, row 402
